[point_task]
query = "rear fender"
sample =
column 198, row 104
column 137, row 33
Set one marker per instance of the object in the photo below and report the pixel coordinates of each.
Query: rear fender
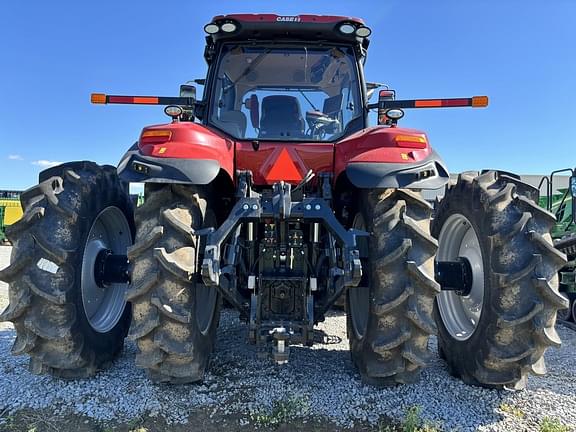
column 373, row 158
column 429, row 173
column 192, row 155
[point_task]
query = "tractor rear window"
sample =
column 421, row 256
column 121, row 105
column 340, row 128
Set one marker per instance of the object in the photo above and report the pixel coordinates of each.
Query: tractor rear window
column 286, row 94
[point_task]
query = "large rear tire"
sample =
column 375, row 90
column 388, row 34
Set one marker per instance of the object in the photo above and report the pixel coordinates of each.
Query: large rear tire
column 497, row 335
column 175, row 315
column 390, row 313
column 68, row 325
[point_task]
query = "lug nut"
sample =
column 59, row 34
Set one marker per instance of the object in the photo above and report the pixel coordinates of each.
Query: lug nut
column 245, row 206
column 317, row 207
column 254, row 206
column 308, row 207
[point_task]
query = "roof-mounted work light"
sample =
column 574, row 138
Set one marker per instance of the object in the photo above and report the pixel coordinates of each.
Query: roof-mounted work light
column 229, row 27
column 347, row 29
column 363, row 32
column 211, row 28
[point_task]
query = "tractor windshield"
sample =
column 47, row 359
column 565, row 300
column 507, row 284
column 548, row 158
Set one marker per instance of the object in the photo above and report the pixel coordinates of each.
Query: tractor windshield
column 286, row 93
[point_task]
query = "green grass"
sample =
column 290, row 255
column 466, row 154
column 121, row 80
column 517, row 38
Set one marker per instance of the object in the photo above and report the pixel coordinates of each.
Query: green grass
column 552, row 425
column 412, row 422
column 512, row 410
column 135, row 425
column 282, row 412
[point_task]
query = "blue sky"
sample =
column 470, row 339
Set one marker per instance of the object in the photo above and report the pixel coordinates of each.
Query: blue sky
column 521, row 53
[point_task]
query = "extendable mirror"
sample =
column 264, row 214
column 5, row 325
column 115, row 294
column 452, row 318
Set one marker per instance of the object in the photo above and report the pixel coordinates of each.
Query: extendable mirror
column 187, row 90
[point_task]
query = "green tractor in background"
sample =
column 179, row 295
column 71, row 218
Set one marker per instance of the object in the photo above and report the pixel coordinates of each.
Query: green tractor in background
column 562, row 203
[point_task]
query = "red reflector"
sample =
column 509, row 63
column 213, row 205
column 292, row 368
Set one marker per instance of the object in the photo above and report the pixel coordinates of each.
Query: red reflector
column 388, row 94
column 455, row 102
column 155, row 136
column 120, row 99
column 284, row 168
column 149, row 100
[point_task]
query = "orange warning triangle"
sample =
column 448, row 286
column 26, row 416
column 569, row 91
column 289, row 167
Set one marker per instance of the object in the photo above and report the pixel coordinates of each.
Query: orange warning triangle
column 283, row 169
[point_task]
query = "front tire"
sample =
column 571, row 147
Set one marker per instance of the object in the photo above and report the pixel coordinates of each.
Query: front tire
column 68, row 325
column 497, row 335
column 175, row 315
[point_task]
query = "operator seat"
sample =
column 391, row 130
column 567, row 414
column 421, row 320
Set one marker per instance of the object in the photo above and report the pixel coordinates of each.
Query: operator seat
column 281, row 118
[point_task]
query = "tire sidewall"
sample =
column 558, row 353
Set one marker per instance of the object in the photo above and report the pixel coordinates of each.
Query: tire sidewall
column 207, row 338
column 357, row 342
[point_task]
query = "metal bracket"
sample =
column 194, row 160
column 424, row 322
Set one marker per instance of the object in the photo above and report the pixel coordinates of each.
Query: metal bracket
column 281, row 207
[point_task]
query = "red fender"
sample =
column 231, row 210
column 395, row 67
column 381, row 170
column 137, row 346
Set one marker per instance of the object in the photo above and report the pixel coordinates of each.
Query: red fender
column 188, row 141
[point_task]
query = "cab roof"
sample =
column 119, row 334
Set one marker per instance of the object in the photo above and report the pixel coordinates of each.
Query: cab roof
column 273, row 18
column 283, row 28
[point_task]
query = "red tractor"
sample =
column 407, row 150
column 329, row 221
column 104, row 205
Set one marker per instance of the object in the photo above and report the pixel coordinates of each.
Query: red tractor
column 274, row 194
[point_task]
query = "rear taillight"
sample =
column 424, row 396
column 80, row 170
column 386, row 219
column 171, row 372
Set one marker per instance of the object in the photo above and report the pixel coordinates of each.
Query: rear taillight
column 155, row 136
column 411, row 141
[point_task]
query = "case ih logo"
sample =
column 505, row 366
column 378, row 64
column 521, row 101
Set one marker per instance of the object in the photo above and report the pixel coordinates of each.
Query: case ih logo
column 288, row 19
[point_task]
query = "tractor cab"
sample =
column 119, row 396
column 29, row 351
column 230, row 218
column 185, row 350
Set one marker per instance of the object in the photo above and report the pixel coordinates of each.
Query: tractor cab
column 285, row 93
column 277, row 78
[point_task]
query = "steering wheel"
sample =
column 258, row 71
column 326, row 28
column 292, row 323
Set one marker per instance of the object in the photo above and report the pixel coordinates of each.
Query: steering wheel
column 319, row 124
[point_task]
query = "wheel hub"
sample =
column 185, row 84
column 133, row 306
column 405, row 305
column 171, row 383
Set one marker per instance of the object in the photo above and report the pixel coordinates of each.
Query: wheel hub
column 454, row 275
column 110, row 268
column 104, row 277
column 461, row 313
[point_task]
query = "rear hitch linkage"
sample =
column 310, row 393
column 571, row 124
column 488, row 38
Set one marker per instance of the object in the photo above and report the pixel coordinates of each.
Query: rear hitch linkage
column 254, row 209
column 270, row 323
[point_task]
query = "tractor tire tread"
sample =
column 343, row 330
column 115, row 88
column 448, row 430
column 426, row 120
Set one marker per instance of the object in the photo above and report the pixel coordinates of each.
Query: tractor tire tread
column 524, row 296
column 42, row 302
column 171, row 347
column 394, row 348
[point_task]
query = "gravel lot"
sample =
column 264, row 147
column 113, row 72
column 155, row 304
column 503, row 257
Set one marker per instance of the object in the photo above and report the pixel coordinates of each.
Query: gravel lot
column 319, row 383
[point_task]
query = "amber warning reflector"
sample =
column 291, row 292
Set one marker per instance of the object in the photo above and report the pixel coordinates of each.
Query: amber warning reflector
column 98, row 98
column 156, row 133
column 412, row 141
column 480, row 101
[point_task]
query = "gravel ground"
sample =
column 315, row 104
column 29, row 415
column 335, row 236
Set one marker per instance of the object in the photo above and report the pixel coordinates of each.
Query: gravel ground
column 318, row 382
